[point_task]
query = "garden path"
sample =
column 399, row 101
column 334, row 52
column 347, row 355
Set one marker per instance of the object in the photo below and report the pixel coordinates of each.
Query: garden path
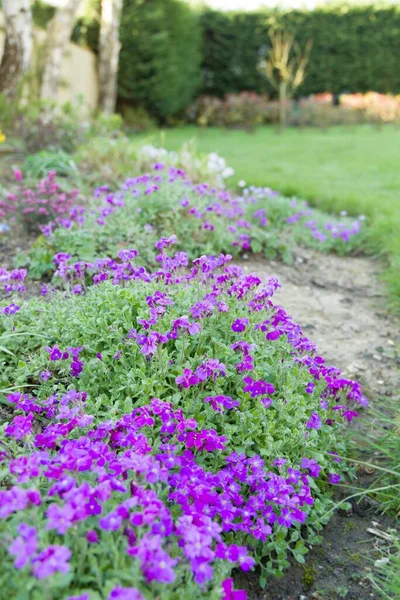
column 340, row 304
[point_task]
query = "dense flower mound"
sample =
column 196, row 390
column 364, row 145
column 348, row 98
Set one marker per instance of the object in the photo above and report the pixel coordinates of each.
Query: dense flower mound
column 169, row 425
column 205, row 219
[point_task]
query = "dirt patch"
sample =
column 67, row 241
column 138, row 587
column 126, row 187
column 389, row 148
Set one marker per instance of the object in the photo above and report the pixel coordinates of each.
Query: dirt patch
column 340, row 304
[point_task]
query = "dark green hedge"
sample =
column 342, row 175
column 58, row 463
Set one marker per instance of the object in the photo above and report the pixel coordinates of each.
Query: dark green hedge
column 160, row 56
column 354, row 48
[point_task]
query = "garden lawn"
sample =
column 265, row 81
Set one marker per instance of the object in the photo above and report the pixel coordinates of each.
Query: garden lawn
column 343, row 168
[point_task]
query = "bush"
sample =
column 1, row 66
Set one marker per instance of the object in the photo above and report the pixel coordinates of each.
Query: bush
column 177, row 424
column 159, row 66
column 49, row 126
column 39, row 207
column 246, row 109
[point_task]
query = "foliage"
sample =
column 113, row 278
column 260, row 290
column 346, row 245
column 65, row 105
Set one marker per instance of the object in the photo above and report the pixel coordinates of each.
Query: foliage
column 246, row 110
column 137, row 119
column 47, row 125
column 38, row 165
column 159, row 66
column 104, row 160
column 150, row 435
column 355, row 48
column 205, row 219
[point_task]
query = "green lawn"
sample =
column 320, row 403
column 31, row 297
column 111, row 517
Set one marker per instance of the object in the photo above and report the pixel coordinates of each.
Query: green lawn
column 354, row 168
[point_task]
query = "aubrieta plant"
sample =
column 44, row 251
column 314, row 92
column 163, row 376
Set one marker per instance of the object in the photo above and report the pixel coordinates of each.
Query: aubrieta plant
column 165, row 427
column 37, row 205
column 206, row 220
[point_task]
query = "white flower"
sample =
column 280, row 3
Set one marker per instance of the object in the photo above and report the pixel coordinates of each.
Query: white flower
column 242, row 183
column 228, row 172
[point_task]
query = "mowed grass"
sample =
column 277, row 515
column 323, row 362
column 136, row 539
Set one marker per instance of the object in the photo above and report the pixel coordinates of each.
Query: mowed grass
column 353, row 168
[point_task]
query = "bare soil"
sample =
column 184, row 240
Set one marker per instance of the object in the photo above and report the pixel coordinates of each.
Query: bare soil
column 340, row 304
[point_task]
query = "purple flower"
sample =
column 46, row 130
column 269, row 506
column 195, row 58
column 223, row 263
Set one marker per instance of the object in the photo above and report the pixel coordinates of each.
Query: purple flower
column 334, row 478
column 20, row 427
column 11, row 309
column 188, row 379
column 51, row 560
column 128, row 254
column 258, row 388
column 24, row 546
column 60, row 518
column 92, row 537
column 80, row 597
column 111, row 522
column 238, row 554
column 76, row 367
column 120, row 593
column 310, row 387
column 45, row 375
column 230, row 593
column 240, row 325
column 314, row 422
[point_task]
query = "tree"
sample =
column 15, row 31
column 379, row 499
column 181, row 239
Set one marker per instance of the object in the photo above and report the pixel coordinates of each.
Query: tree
column 109, row 47
column 285, row 67
column 18, row 45
column 59, row 33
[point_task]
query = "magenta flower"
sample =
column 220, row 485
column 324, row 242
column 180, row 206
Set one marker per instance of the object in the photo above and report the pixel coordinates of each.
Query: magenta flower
column 257, row 388
column 230, row 593
column 92, row 537
column 239, row 555
column 188, row 379
column 240, row 325
column 53, row 559
column 120, row 593
column 18, row 175
column 20, row 427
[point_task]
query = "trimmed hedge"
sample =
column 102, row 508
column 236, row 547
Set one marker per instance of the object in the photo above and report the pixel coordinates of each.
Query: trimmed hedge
column 160, row 56
column 355, row 49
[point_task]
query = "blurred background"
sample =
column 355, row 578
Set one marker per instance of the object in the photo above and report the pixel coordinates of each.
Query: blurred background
column 301, row 96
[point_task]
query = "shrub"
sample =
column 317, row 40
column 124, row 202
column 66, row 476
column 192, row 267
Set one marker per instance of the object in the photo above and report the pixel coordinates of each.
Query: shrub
column 159, row 66
column 49, row 126
column 177, row 424
column 246, row 109
column 35, row 206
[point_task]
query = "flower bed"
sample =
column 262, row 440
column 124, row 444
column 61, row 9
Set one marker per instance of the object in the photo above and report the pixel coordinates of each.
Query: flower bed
column 170, row 425
column 205, row 219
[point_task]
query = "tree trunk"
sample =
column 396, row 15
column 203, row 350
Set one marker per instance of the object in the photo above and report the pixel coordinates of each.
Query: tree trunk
column 282, row 104
column 59, row 34
column 18, row 45
column 109, row 53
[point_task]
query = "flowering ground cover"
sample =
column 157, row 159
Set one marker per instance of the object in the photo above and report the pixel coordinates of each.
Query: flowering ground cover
column 165, row 202
column 168, row 426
